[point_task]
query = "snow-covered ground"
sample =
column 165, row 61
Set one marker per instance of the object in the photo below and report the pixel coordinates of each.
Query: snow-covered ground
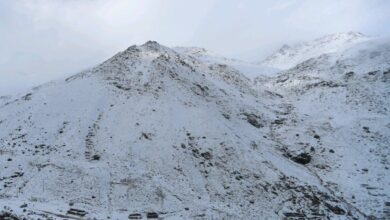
column 289, row 56
column 250, row 70
column 341, row 103
column 184, row 133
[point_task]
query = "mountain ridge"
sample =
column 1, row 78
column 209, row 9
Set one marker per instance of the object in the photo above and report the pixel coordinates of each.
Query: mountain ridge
column 289, row 56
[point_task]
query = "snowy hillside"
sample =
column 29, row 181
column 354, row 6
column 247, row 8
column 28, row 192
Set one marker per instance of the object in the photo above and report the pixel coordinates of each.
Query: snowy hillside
column 289, row 56
column 250, row 70
column 184, row 134
column 340, row 106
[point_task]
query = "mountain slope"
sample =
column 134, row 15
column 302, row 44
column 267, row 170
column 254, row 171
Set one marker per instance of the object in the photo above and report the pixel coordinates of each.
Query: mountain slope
column 289, row 56
column 250, row 70
column 341, row 117
column 153, row 131
column 182, row 135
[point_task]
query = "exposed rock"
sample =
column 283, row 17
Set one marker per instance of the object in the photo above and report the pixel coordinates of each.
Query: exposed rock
column 4, row 215
column 335, row 209
column 349, row 75
column 96, row 157
column 135, row 216
column 27, row 97
column 279, row 121
column 294, row 215
column 152, row 215
column 303, row 158
column 207, row 155
column 225, row 115
column 253, row 120
column 77, row 212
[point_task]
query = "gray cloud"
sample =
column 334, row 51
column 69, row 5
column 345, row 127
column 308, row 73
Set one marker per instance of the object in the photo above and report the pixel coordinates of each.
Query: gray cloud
column 41, row 40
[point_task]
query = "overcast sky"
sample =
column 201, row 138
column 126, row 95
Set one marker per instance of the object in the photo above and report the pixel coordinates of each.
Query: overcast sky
column 42, row 40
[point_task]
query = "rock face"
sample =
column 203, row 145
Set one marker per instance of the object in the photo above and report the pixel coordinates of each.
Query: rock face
column 302, row 158
column 158, row 133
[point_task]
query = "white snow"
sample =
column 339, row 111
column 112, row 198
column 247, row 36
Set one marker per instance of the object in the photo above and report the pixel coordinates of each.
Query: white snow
column 189, row 134
column 289, row 56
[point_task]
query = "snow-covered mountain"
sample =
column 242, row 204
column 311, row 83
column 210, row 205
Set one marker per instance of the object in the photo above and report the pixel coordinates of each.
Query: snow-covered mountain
column 151, row 130
column 181, row 134
column 342, row 99
column 289, row 56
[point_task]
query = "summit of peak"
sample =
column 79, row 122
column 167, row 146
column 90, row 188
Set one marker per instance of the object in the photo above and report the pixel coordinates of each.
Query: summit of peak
column 149, row 47
column 285, row 46
column 151, row 43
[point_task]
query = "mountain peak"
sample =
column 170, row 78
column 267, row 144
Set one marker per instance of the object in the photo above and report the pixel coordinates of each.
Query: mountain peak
column 151, row 44
column 147, row 46
column 148, row 49
column 285, row 47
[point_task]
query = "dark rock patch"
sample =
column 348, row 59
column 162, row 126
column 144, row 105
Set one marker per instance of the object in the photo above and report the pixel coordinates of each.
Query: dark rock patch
column 303, row 158
column 274, row 94
column 253, row 120
column 8, row 216
column 225, row 115
column 27, row 97
column 152, row 215
column 328, row 84
column 279, row 121
column 77, row 212
column 147, row 136
column 96, row 157
column 349, row 75
column 135, row 216
column 207, row 155
column 294, row 215
column 372, row 73
column 121, row 87
column 335, row 209
column 200, row 90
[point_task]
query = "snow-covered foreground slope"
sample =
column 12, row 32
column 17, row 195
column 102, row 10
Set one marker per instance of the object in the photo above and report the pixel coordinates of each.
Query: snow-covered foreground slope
column 341, row 116
column 289, row 56
column 155, row 131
